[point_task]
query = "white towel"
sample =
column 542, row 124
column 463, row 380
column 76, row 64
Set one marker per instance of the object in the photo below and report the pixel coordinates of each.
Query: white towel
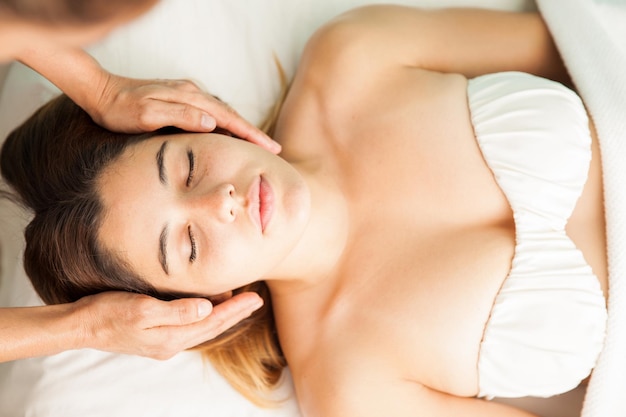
column 591, row 36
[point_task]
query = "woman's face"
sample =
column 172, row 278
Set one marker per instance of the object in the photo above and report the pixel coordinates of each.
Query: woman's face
column 201, row 213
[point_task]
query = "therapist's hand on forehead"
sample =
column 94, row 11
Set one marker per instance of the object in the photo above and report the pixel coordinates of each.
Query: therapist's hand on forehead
column 132, row 105
column 37, row 34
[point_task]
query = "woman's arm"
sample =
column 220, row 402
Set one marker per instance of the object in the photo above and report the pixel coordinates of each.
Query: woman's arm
column 118, row 322
column 365, row 394
column 132, row 105
column 343, row 378
column 467, row 41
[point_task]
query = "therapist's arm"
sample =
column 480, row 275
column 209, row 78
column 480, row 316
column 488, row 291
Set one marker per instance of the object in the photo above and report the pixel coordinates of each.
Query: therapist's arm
column 119, row 322
column 131, row 105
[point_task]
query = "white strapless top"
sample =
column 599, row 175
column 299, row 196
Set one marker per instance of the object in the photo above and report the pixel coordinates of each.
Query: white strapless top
column 547, row 325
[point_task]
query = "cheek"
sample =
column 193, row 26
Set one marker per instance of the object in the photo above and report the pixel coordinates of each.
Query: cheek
column 236, row 261
column 232, row 261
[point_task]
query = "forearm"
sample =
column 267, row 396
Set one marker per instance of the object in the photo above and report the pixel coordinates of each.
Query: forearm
column 481, row 41
column 71, row 69
column 467, row 41
column 38, row 331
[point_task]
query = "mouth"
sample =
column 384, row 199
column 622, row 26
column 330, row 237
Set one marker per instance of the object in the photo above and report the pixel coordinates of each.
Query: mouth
column 261, row 197
column 266, row 203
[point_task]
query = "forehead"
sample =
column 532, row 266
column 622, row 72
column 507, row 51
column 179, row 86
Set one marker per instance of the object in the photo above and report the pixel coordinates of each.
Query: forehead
column 129, row 190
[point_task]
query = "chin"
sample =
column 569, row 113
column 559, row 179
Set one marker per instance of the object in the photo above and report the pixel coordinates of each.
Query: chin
column 297, row 205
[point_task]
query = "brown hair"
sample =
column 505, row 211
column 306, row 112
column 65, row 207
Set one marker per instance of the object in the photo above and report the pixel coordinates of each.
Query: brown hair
column 53, row 161
column 71, row 11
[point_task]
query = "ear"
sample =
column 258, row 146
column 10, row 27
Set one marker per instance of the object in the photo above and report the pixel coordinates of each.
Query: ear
column 220, row 298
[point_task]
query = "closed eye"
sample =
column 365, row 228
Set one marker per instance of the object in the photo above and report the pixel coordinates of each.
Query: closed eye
column 192, row 167
column 193, row 255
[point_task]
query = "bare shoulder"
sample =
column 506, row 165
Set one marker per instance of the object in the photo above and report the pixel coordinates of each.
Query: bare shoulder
column 355, row 45
column 351, row 71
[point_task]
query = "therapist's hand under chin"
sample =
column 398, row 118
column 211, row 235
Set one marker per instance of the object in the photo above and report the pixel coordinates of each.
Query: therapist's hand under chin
column 140, row 325
column 133, row 105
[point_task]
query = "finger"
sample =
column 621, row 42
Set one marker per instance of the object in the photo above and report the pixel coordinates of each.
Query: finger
column 230, row 120
column 225, row 115
column 179, row 107
column 179, row 312
column 182, row 85
column 223, row 317
column 156, row 114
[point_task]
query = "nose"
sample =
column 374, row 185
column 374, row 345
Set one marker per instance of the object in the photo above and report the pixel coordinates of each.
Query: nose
column 220, row 201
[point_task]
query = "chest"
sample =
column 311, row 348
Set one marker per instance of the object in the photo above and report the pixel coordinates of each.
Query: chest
column 420, row 302
column 431, row 238
column 405, row 146
column 413, row 309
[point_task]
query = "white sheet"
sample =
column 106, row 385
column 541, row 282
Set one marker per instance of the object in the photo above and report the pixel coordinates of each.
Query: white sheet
column 591, row 35
column 227, row 46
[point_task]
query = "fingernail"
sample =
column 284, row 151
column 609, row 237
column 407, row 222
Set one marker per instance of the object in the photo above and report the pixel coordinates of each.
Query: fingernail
column 276, row 146
column 207, row 122
column 256, row 305
column 204, row 308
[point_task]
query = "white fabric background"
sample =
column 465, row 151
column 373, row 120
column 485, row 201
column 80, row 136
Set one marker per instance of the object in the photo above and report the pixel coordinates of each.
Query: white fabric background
column 227, row 47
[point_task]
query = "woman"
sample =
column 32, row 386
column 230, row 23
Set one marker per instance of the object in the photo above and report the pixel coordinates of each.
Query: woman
column 427, row 240
column 46, row 36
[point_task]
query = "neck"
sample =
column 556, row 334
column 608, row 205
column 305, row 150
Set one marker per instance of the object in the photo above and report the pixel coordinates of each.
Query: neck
column 11, row 35
column 317, row 254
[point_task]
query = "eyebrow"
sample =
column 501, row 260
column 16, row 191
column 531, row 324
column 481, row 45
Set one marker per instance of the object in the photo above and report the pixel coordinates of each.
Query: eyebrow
column 164, row 232
column 160, row 164
column 163, row 249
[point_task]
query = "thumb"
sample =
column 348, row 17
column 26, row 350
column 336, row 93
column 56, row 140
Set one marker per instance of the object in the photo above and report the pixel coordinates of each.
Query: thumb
column 183, row 311
column 207, row 122
column 186, row 117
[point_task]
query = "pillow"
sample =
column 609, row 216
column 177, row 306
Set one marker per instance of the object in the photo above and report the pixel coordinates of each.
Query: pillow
column 228, row 48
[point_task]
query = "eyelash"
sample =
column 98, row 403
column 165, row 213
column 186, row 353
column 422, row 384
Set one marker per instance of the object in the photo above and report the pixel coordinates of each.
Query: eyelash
column 192, row 170
column 193, row 255
column 192, row 167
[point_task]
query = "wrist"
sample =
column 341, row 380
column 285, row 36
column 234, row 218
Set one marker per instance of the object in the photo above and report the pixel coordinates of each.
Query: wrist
column 78, row 324
column 73, row 71
column 94, row 99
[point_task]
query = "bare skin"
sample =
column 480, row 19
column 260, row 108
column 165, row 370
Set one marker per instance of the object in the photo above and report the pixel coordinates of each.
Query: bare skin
column 119, row 322
column 381, row 103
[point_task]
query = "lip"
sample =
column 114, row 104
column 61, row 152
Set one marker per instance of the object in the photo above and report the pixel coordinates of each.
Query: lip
column 254, row 206
column 266, row 203
column 261, row 203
